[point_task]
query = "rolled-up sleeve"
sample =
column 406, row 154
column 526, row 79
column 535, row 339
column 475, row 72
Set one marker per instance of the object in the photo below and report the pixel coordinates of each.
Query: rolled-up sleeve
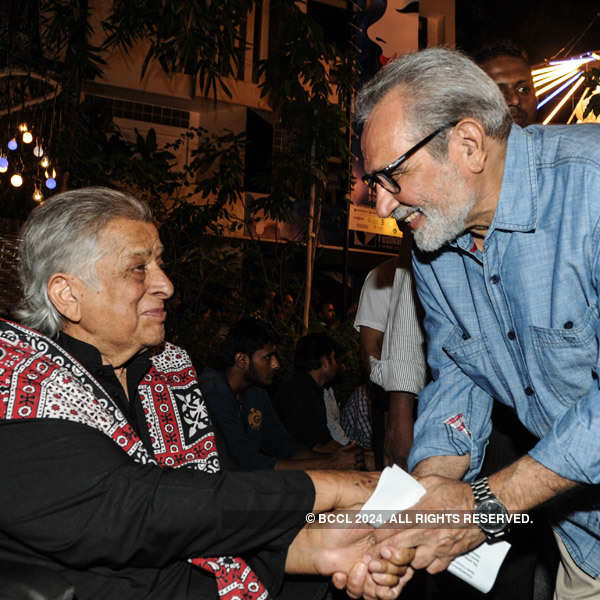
column 453, row 412
column 570, row 448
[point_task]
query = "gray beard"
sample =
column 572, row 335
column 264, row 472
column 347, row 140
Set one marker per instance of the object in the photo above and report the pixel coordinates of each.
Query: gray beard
column 438, row 228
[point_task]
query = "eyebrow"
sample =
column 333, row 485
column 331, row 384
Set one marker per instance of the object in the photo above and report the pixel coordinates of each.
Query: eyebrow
column 145, row 253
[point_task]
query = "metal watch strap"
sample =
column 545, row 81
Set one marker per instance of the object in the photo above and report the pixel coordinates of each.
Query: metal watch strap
column 482, row 492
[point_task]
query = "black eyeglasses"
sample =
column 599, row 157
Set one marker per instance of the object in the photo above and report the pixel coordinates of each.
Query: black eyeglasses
column 384, row 178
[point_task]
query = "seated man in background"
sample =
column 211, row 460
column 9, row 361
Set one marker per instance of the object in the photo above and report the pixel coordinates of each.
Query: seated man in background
column 301, row 400
column 110, row 474
column 242, row 410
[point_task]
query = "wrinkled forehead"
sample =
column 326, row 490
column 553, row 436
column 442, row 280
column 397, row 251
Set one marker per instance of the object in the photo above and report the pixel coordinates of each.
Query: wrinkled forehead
column 128, row 237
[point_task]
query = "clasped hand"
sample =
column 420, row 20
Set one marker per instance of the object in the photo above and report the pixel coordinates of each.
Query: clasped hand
column 436, row 547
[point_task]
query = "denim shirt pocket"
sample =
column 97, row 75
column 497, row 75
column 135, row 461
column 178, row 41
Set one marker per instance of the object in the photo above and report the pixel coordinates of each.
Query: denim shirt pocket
column 567, row 356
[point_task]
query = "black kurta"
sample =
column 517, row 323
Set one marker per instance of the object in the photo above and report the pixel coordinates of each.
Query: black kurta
column 72, row 500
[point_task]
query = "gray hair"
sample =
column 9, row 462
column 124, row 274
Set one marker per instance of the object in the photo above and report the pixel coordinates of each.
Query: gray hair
column 62, row 236
column 442, row 86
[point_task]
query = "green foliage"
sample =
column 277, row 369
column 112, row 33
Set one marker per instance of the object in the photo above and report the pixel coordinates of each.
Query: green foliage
column 299, row 79
column 199, row 38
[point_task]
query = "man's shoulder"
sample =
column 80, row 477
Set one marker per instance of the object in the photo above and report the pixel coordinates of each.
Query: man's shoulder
column 566, row 144
column 169, row 357
column 382, row 276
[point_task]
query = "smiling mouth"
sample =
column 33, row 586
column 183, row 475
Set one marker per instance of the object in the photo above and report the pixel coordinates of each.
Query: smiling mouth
column 410, row 217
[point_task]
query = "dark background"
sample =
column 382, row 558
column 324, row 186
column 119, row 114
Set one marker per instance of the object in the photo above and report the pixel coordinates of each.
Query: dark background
column 541, row 28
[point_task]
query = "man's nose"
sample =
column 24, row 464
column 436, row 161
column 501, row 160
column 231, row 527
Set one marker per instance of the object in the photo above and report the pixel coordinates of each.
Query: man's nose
column 511, row 97
column 161, row 284
column 275, row 363
column 385, row 202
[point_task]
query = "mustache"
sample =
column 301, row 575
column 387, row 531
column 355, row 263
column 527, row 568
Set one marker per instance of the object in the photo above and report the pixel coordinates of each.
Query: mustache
column 401, row 212
column 516, row 111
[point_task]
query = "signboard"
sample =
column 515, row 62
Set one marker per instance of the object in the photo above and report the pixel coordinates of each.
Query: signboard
column 364, row 218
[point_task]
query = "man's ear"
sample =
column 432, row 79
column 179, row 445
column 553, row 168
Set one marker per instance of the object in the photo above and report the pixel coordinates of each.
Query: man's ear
column 65, row 292
column 467, row 144
column 241, row 360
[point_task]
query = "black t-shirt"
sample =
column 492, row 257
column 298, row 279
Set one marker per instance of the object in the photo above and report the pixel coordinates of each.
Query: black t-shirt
column 303, row 411
column 70, row 499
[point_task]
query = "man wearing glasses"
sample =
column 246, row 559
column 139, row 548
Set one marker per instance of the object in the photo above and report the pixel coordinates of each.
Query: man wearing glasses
column 506, row 224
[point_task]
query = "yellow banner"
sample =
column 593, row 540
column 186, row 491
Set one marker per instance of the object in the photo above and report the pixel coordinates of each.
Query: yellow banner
column 364, row 218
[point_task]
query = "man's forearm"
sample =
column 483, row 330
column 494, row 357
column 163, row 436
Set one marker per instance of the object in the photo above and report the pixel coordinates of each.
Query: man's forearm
column 327, row 447
column 521, row 486
column 453, row 467
column 318, row 461
column 348, row 489
column 527, row 483
column 399, row 428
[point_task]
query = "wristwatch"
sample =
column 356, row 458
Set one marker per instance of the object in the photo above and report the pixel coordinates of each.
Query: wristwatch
column 490, row 514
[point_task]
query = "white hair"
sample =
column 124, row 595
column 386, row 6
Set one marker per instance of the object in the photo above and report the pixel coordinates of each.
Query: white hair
column 62, row 236
column 442, row 86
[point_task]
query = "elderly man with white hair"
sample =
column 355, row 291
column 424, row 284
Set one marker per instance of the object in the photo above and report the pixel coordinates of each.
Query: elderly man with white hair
column 110, row 472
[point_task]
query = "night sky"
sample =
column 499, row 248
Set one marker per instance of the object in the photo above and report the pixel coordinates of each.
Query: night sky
column 541, row 28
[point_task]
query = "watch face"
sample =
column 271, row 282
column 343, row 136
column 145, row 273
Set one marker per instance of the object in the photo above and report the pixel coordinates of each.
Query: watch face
column 491, row 516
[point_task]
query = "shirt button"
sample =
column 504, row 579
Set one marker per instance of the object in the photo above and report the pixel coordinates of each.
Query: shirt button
column 529, row 391
column 495, row 279
column 568, row 325
column 511, row 335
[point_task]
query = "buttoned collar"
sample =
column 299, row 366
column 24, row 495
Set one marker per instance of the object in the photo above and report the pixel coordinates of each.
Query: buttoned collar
column 517, row 204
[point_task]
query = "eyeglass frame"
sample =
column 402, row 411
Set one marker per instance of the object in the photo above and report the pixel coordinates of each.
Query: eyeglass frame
column 383, row 176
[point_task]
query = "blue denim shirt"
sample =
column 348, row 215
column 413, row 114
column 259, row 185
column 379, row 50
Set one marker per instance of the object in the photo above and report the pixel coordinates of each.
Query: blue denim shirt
column 519, row 323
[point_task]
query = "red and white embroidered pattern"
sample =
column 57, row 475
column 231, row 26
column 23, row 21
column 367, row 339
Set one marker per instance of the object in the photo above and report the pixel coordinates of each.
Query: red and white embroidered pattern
column 177, row 418
column 38, row 379
column 458, row 423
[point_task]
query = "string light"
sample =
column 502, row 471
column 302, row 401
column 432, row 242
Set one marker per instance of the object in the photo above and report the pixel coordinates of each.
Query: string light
column 16, row 180
column 27, row 166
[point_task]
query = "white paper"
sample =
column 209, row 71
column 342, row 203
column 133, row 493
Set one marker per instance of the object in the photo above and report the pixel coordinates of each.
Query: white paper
column 480, row 566
column 397, row 491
